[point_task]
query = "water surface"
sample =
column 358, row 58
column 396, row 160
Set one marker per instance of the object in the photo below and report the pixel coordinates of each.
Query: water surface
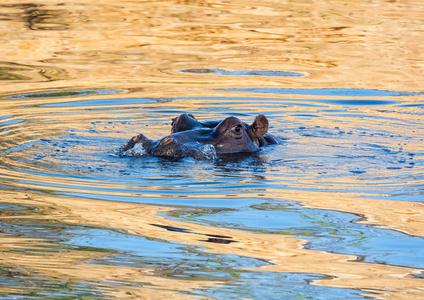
column 335, row 211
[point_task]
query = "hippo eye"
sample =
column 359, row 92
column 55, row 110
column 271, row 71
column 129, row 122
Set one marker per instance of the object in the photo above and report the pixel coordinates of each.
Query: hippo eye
column 238, row 128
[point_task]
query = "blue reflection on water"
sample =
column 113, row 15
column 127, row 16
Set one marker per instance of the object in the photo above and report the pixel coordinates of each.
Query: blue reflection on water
column 324, row 229
column 243, row 72
column 102, row 102
column 192, row 263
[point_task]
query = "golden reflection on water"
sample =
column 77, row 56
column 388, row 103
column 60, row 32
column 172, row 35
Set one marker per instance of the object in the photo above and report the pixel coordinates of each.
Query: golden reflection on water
column 138, row 48
column 375, row 44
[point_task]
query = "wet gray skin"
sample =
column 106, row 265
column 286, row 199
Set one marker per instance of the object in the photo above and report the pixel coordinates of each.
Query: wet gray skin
column 186, row 122
column 229, row 136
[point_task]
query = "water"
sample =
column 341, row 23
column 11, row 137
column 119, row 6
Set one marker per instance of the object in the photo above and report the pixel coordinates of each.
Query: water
column 335, row 211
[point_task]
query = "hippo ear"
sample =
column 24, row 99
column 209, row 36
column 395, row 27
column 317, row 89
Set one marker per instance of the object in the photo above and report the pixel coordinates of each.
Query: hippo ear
column 173, row 121
column 259, row 127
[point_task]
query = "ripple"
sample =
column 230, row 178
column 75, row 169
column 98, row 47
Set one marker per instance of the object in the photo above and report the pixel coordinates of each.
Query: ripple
column 357, row 171
column 104, row 102
column 77, row 142
column 328, row 153
column 243, row 72
column 328, row 92
column 60, row 94
column 290, row 222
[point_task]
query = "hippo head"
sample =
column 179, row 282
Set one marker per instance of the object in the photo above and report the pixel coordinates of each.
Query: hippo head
column 229, row 136
column 234, row 136
column 257, row 131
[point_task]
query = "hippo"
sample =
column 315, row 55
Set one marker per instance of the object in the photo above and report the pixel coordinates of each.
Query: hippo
column 228, row 137
column 188, row 122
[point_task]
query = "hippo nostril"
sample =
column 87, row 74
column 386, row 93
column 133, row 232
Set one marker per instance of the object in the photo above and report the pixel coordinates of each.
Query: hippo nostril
column 166, row 140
